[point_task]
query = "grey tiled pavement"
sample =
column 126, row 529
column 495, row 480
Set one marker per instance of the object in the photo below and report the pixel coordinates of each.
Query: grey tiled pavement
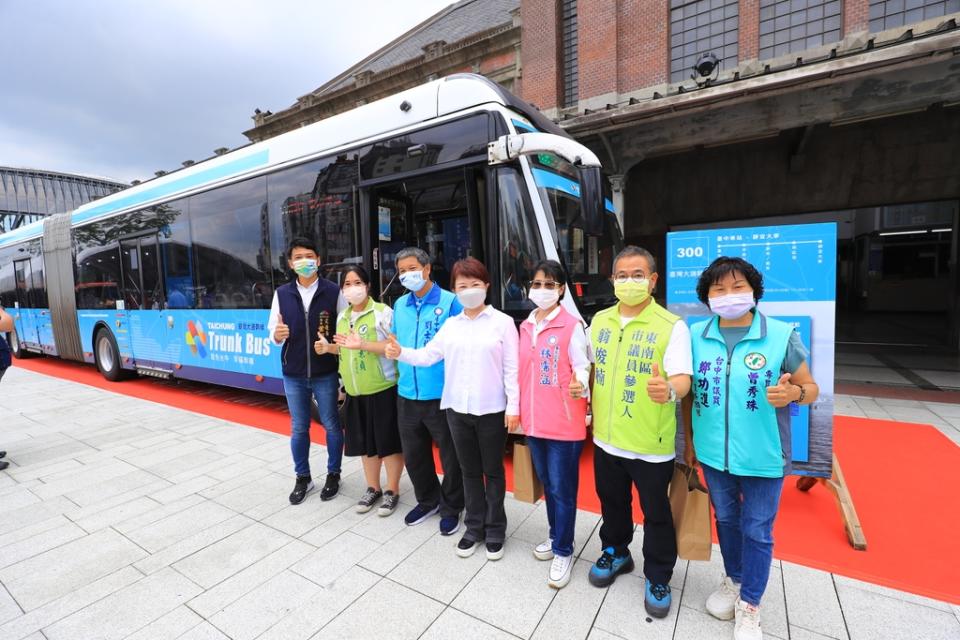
column 122, row 518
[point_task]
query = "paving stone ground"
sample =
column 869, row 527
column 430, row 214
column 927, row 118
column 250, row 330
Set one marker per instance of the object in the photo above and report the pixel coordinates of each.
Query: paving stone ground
column 122, row 518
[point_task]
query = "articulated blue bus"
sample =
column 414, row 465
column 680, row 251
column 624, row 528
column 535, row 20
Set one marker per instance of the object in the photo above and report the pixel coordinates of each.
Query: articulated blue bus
column 174, row 277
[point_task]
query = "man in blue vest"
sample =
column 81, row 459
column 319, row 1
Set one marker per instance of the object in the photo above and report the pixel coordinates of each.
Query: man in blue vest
column 417, row 316
column 6, row 325
column 304, row 311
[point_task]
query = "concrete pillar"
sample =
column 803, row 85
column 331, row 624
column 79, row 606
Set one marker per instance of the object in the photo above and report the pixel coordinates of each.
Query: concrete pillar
column 618, row 184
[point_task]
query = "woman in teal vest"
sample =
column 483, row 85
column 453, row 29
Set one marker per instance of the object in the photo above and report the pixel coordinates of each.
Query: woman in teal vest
column 747, row 369
column 370, row 380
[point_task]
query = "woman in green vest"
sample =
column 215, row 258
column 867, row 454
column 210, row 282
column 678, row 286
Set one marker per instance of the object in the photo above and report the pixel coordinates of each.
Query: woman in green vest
column 370, row 380
column 747, row 369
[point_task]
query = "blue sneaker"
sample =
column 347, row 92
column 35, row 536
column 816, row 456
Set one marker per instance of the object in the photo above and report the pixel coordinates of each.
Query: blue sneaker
column 418, row 514
column 609, row 566
column 657, row 599
column 449, row 525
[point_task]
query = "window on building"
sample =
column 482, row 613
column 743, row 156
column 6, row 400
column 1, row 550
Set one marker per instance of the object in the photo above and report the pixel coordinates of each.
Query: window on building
column 699, row 27
column 788, row 26
column 568, row 52
column 890, row 14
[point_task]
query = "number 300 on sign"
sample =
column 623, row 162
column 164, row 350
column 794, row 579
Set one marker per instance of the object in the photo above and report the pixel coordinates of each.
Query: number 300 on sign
column 689, row 252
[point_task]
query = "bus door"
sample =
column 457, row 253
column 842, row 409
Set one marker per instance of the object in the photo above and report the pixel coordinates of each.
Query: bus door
column 438, row 212
column 145, row 326
column 25, row 320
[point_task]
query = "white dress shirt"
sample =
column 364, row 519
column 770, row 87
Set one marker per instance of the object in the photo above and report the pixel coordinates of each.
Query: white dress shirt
column 306, row 294
column 578, row 350
column 480, row 362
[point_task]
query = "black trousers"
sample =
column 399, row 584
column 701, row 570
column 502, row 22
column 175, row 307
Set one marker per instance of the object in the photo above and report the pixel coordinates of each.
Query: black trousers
column 422, row 423
column 479, row 441
column 615, row 478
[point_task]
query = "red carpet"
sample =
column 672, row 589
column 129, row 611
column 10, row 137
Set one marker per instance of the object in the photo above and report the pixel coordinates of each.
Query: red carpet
column 901, row 477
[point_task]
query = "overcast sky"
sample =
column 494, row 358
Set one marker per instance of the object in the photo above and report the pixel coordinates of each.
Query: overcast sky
column 122, row 88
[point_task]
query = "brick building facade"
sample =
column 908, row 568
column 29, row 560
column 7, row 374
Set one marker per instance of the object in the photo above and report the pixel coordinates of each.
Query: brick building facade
column 839, row 110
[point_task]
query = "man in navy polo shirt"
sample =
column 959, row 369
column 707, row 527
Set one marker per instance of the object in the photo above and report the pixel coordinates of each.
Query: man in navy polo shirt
column 304, row 311
column 417, row 316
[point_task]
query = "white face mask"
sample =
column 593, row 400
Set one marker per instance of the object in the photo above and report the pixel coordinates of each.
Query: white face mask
column 732, row 305
column 355, row 294
column 472, row 298
column 413, row 280
column 544, row 298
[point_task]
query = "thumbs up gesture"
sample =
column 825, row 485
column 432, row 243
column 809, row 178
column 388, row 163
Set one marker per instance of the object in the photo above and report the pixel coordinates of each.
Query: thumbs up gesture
column 392, row 350
column 782, row 394
column 322, row 344
column 575, row 388
column 281, row 332
column 658, row 387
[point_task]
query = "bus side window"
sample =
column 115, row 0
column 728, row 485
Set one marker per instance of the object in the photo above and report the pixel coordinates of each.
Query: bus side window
column 317, row 200
column 519, row 240
column 228, row 227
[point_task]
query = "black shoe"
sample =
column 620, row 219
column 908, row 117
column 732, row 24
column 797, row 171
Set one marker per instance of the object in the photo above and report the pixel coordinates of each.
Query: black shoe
column 301, row 489
column 4, row 464
column 465, row 547
column 494, row 550
column 3, row 454
column 331, row 487
column 368, row 499
column 389, row 504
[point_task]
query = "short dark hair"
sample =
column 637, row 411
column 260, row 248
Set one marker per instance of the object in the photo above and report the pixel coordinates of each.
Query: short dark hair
column 304, row 243
column 357, row 269
column 419, row 254
column 723, row 265
column 552, row 269
column 469, row 268
column 634, row 250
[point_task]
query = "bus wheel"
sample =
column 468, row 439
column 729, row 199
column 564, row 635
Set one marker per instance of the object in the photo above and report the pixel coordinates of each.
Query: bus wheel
column 108, row 357
column 17, row 348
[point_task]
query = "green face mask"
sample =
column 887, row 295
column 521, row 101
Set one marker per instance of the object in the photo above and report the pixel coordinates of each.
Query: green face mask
column 632, row 293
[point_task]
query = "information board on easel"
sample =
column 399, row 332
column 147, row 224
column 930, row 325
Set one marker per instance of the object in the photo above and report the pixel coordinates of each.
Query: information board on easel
column 798, row 263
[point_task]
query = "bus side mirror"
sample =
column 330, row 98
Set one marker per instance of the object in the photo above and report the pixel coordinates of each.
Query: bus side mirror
column 591, row 199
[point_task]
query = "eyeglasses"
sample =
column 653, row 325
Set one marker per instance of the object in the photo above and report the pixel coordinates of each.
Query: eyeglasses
column 548, row 285
column 623, row 279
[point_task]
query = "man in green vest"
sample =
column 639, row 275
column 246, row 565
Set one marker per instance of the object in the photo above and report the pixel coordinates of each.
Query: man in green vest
column 642, row 367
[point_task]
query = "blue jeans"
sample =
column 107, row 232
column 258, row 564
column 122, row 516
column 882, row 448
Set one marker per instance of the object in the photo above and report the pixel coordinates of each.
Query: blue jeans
column 324, row 389
column 557, row 463
column 745, row 507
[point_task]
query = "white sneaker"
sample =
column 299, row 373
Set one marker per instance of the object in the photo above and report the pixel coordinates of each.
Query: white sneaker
column 721, row 602
column 560, row 570
column 544, row 550
column 748, row 622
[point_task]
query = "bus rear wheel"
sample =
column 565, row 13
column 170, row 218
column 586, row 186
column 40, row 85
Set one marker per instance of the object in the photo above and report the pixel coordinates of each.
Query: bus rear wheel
column 107, row 356
column 16, row 347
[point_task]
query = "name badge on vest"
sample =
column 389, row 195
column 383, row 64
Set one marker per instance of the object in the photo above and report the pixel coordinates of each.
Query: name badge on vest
column 324, row 326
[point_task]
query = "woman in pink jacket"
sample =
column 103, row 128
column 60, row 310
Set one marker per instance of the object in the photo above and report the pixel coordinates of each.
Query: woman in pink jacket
column 554, row 375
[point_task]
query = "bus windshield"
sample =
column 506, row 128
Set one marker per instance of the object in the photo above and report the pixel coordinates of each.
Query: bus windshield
column 587, row 258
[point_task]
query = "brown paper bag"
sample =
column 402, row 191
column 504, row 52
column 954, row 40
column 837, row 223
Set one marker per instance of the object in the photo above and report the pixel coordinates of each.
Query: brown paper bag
column 690, row 505
column 526, row 484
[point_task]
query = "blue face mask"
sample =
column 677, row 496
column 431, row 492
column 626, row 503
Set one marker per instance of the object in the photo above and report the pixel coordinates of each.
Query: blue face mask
column 413, row 280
